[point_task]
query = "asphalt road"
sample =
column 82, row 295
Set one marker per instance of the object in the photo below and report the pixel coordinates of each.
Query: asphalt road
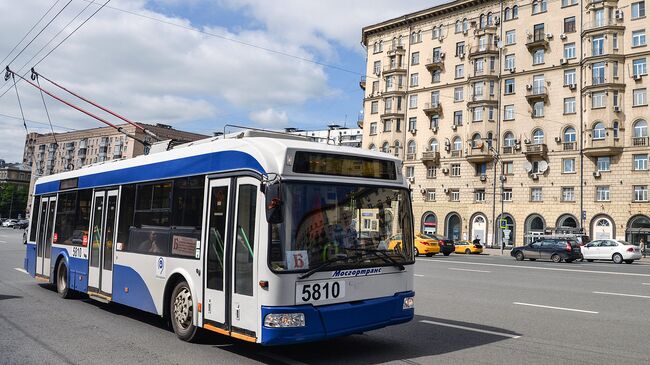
column 469, row 310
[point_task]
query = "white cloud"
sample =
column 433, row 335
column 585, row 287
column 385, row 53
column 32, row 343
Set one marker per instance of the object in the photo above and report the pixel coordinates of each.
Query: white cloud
column 270, row 117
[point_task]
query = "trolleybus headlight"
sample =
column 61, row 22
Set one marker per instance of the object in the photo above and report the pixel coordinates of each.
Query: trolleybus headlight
column 408, row 303
column 277, row 320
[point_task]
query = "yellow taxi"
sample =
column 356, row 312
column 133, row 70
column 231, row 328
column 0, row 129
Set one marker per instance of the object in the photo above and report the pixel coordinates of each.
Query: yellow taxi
column 467, row 247
column 424, row 245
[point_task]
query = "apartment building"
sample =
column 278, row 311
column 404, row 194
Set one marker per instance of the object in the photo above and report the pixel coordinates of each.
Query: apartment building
column 516, row 118
column 48, row 154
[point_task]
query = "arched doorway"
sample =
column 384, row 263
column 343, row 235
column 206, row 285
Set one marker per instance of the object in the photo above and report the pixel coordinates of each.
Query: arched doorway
column 429, row 223
column 479, row 228
column 535, row 226
column 567, row 223
column 602, row 228
column 506, row 230
column 638, row 227
column 453, row 226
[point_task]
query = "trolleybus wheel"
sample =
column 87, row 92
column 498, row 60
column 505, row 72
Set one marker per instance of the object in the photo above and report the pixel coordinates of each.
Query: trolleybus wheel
column 182, row 312
column 62, row 281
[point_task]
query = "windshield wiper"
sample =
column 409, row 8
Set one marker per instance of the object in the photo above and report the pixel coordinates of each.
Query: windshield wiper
column 381, row 254
column 323, row 265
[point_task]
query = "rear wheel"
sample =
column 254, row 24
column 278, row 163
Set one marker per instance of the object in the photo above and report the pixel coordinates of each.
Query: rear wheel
column 62, row 281
column 569, row 260
column 556, row 258
column 447, row 253
column 519, row 256
column 629, row 261
column 617, row 258
column 182, row 312
column 467, row 252
column 417, row 252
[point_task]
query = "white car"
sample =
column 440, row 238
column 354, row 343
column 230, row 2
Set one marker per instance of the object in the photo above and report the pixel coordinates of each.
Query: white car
column 617, row 251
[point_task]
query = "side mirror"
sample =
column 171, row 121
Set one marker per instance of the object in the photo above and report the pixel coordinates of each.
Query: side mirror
column 274, row 203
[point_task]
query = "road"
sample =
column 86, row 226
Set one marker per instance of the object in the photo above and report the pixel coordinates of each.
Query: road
column 469, row 310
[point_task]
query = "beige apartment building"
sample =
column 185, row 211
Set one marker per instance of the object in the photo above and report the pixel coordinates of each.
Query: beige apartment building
column 530, row 114
column 48, row 154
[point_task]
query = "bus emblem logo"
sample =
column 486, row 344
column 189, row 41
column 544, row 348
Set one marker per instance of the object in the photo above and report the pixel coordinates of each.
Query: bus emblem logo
column 160, row 268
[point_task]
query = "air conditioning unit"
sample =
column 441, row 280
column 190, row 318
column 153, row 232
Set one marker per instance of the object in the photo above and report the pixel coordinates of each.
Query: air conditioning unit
column 512, row 70
column 596, row 174
column 413, row 131
column 497, row 20
column 454, row 127
column 529, row 35
column 618, row 14
column 462, row 55
column 563, row 61
column 562, row 36
column 529, row 87
column 558, row 139
column 441, row 55
column 518, row 146
column 423, row 191
column 572, row 86
column 483, row 178
column 637, row 76
column 377, row 72
column 446, row 191
column 445, row 171
column 617, row 108
column 549, row 35
column 465, row 31
column 535, row 176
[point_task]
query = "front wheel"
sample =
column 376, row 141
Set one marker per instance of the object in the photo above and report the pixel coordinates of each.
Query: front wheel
column 182, row 312
column 617, row 258
column 519, row 256
column 467, row 252
column 556, row 258
column 417, row 252
column 629, row 261
column 62, row 281
column 447, row 253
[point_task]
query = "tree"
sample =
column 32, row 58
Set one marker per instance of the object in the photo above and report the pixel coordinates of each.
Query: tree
column 13, row 200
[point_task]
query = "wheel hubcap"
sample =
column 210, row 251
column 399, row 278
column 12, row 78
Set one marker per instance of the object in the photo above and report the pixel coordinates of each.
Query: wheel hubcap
column 183, row 308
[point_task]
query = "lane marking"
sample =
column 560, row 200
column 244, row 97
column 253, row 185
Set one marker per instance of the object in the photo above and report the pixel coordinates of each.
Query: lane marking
column 3, row 241
column 623, row 295
column 645, row 283
column 21, row 270
column 558, row 308
column 539, row 268
column 470, row 329
column 457, row 269
column 418, row 275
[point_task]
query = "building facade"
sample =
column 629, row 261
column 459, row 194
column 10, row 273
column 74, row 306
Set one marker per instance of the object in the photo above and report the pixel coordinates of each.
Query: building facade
column 14, row 182
column 516, row 118
column 48, row 154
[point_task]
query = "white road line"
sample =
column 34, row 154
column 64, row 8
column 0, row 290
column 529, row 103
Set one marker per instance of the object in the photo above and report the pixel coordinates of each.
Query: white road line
column 457, row 269
column 622, row 294
column 537, row 268
column 281, row 358
column 418, row 275
column 21, row 270
column 558, row 308
column 3, row 241
column 470, row 329
column 645, row 283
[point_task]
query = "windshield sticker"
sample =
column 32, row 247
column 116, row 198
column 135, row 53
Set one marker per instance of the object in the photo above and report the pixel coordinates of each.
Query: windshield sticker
column 356, row 272
column 297, row 260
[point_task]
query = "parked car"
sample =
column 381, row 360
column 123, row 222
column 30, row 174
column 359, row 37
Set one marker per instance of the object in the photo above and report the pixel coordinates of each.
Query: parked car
column 467, row 247
column 21, row 224
column 424, row 245
column 554, row 249
column 446, row 245
column 617, row 251
column 9, row 222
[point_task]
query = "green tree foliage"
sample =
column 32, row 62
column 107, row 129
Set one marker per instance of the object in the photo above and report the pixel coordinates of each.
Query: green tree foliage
column 13, row 200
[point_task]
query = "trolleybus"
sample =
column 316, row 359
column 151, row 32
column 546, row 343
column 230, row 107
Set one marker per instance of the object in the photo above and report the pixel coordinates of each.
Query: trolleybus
column 263, row 237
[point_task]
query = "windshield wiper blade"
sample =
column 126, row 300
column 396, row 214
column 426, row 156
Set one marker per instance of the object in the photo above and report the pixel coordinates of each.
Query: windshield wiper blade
column 382, row 255
column 322, row 266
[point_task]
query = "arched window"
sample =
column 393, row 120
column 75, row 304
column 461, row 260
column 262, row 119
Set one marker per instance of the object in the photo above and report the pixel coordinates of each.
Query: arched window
column 375, row 47
column 535, row 7
column 435, row 33
column 570, row 134
column 599, row 131
column 465, row 25
column 457, row 144
column 489, row 18
column 538, row 136
column 482, row 21
column 411, row 147
column 396, row 147
column 414, row 37
column 476, row 140
column 515, row 12
column 381, row 46
column 615, row 128
column 640, row 129
column 490, row 138
column 507, row 14
column 433, row 145
column 508, row 139
column 458, row 27
column 372, row 147
column 394, row 43
column 385, row 147
column 400, row 40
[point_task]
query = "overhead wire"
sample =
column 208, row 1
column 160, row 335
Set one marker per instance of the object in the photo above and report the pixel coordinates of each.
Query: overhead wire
column 46, row 111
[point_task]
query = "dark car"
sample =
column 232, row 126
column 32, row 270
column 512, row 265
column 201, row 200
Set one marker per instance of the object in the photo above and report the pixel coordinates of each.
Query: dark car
column 21, row 224
column 446, row 245
column 554, row 249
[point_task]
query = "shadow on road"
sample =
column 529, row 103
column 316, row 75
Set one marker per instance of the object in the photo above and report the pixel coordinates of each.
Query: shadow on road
column 3, row 297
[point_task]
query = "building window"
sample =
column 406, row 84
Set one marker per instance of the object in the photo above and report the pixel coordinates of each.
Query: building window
column 435, row 76
column 458, row 93
column 435, row 120
column 507, row 167
column 509, row 86
column 640, row 162
column 511, row 36
column 598, row 100
column 602, row 193
column 507, row 195
column 597, row 45
column 566, row 3
column 410, row 172
column 460, row 49
column 375, row 87
column 570, row 50
column 570, row 77
column 415, row 58
column 479, row 195
column 598, row 131
column 639, row 67
column 377, row 68
column 569, row 105
column 640, row 97
column 570, row 24
column 478, row 114
column 568, row 165
column 455, row 195
column 458, row 27
column 431, row 172
column 568, row 194
column 373, row 128
column 638, row 10
column 538, row 109
column 509, row 63
column 569, row 135
column 538, row 56
column 413, row 101
column 509, row 112
column 458, row 118
column 459, row 72
column 641, row 129
column 638, row 38
column 431, row 195
column 603, row 163
column 536, row 194
column 374, row 107
column 455, row 169
column 640, row 193
column 414, row 79
column 387, row 125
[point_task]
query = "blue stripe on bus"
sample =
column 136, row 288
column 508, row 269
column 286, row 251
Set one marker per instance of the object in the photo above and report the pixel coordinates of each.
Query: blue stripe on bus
column 193, row 165
column 30, row 259
column 77, row 269
column 137, row 295
column 328, row 321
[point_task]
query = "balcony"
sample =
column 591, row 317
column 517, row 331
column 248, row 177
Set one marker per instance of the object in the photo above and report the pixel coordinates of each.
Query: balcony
column 477, row 100
column 602, row 82
column 431, row 157
column 569, row 146
column 392, row 113
column 640, row 141
column 484, row 73
column 536, row 150
column 537, row 42
column 479, row 153
column 394, row 90
column 481, row 50
column 362, row 83
column 435, row 63
column 602, row 24
column 431, row 109
column 536, row 93
column 394, row 69
column 456, row 153
column 396, row 49
column 82, row 153
column 509, row 150
column 608, row 146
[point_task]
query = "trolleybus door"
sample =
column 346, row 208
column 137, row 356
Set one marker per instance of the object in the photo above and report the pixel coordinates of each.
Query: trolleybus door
column 102, row 235
column 44, row 236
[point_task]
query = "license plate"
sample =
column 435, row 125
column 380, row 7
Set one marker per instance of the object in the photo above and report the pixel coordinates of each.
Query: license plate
column 319, row 291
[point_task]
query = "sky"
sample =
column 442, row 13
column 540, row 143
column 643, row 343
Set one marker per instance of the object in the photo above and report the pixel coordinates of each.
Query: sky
column 194, row 64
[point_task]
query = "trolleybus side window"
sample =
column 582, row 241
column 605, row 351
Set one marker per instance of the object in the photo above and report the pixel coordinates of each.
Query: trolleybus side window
column 126, row 217
column 36, row 209
column 217, row 236
column 73, row 218
column 245, row 239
